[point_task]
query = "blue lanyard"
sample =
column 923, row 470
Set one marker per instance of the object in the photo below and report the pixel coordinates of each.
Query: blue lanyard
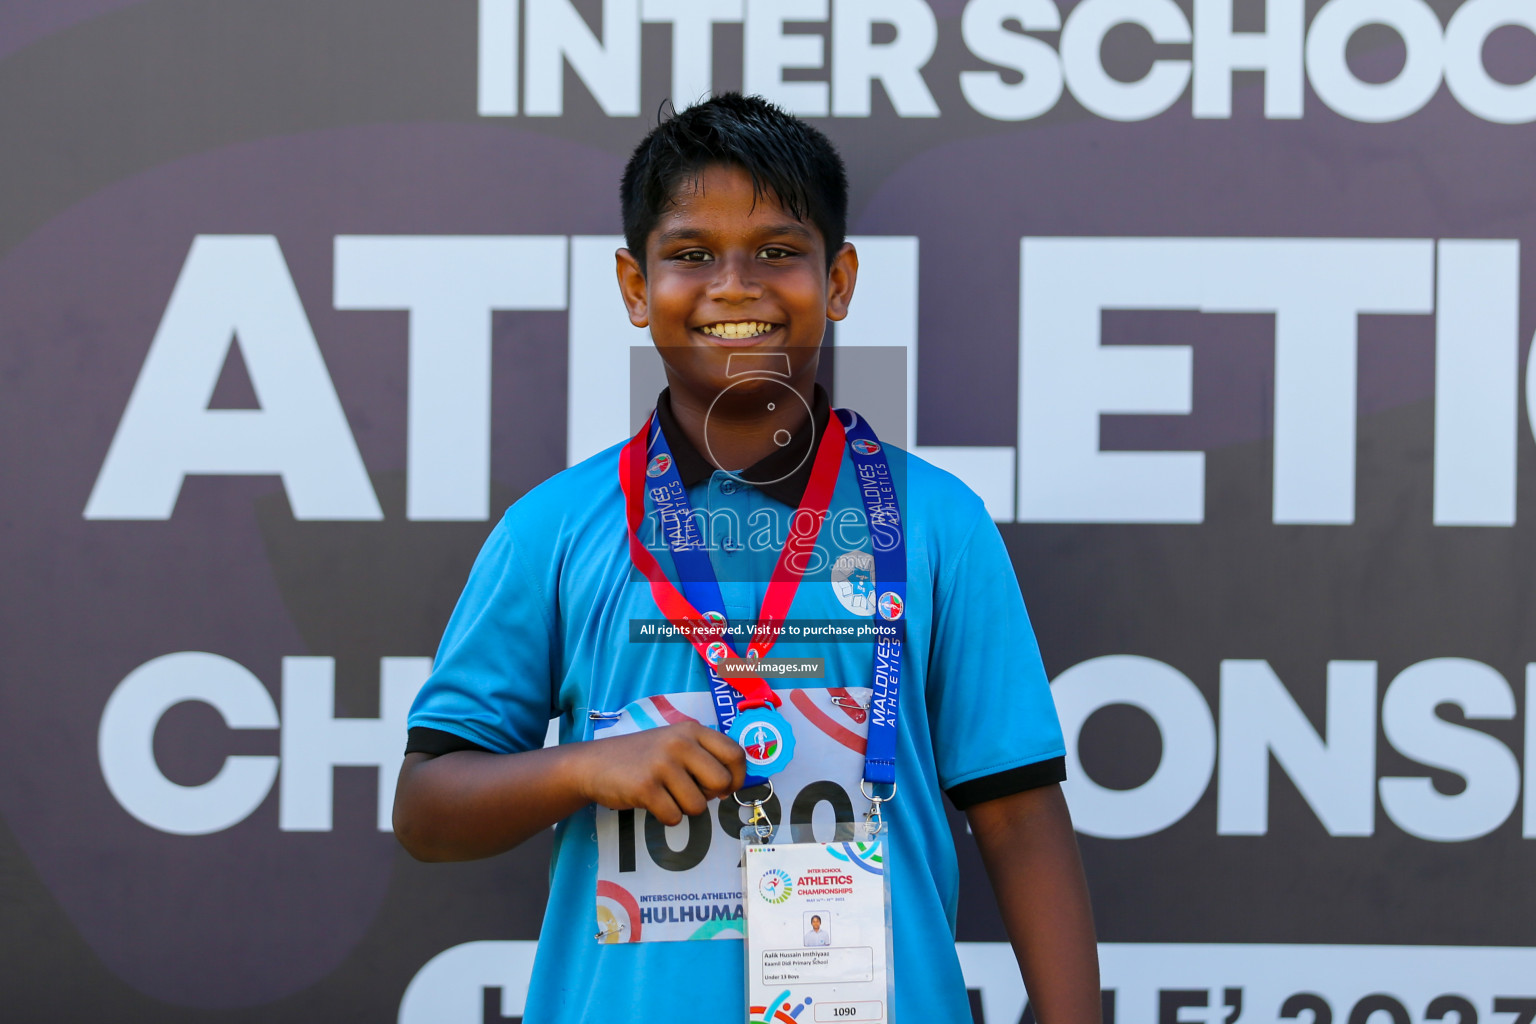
column 696, row 576
column 888, row 540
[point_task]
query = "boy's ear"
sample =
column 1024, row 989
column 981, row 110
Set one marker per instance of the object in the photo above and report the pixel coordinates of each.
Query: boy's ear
column 632, row 288
column 840, row 281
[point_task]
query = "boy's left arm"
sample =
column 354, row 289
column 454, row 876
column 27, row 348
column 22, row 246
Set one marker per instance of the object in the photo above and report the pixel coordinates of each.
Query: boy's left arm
column 1030, row 852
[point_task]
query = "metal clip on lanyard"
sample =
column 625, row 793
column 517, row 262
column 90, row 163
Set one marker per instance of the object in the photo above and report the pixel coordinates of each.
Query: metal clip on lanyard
column 759, row 819
column 873, row 817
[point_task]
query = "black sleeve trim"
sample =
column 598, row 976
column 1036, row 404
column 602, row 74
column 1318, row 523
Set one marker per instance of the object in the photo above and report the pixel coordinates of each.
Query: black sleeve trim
column 421, row 740
column 1006, row 783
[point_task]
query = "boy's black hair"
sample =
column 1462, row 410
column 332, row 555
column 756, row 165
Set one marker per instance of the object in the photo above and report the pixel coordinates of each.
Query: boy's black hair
column 786, row 158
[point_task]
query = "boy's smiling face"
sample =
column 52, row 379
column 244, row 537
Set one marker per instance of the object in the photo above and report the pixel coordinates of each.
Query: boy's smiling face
column 728, row 272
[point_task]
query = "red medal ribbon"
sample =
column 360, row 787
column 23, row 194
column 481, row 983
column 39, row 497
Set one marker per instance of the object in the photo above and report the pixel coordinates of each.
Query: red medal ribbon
column 803, row 531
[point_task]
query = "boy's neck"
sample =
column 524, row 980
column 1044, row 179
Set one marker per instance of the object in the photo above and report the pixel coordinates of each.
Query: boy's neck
column 739, row 438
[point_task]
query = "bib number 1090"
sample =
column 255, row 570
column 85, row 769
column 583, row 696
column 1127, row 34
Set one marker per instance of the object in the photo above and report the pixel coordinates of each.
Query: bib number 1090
column 859, row 1011
column 728, row 819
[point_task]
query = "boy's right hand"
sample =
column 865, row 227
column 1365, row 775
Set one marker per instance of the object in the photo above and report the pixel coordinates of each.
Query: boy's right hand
column 670, row 772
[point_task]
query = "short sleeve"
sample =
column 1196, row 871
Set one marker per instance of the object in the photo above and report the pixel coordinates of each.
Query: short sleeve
column 492, row 682
column 995, row 730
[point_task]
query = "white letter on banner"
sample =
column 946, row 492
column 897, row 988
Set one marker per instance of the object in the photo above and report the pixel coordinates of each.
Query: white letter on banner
column 982, row 28
column 315, row 740
column 885, row 319
column 233, row 287
column 857, row 60
column 1276, row 51
column 987, row 969
column 125, row 743
column 1189, row 744
column 693, row 43
column 609, row 67
column 1528, row 829
column 1318, row 291
column 600, row 338
column 1067, row 380
column 1082, row 41
column 1336, row 777
column 1477, row 382
column 1315, row 288
column 497, row 92
column 768, row 52
column 1337, row 86
column 450, row 988
column 450, row 285
column 1469, row 81
column 1491, row 772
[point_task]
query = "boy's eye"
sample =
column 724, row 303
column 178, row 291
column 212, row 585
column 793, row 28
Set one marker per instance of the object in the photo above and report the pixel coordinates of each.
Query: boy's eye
column 692, row 256
column 775, row 252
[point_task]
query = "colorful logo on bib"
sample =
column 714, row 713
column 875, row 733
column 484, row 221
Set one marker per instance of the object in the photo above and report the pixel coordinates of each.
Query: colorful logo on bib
column 868, row 856
column 864, row 446
column 775, row 886
column 715, row 651
column 659, row 465
column 782, row 1010
column 766, row 737
column 718, row 618
column 891, row 605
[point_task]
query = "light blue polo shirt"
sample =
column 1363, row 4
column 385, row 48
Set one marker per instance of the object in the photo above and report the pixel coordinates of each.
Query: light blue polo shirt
column 542, row 630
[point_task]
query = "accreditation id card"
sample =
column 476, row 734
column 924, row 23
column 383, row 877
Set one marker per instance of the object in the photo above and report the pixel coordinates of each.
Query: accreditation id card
column 818, row 930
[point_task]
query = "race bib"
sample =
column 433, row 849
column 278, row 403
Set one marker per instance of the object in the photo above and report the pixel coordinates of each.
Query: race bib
column 661, row 884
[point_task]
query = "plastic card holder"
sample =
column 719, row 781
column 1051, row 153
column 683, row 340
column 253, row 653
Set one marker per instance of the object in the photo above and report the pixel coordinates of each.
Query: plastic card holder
column 818, row 925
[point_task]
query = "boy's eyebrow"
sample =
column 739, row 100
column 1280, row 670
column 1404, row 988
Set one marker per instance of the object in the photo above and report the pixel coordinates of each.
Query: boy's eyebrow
column 688, row 234
column 791, row 228
column 680, row 235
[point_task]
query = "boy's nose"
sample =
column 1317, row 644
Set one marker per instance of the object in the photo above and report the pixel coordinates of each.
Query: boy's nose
column 735, row 281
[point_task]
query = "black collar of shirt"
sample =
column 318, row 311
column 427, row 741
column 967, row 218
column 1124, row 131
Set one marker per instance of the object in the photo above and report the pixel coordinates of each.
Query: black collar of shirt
column 785, row 473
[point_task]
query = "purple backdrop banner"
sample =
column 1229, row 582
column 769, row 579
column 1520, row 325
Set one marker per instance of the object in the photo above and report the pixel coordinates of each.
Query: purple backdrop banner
column 1219, row 304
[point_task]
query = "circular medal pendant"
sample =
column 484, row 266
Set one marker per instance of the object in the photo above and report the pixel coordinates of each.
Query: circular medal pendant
column 766, row 737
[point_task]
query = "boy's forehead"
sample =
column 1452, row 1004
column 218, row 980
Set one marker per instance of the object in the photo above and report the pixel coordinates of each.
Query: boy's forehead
column 693, row 181
column 702, row 182
column 684, row 216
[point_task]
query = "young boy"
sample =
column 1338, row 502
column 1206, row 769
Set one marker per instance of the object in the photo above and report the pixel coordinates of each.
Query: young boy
column 734, row 217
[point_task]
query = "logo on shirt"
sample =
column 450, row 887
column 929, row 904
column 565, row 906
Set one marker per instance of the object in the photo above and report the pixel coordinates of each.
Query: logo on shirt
column 853, row 581
column 659, row 465
column 864, row 446
column 775, row 886
column 891, row 605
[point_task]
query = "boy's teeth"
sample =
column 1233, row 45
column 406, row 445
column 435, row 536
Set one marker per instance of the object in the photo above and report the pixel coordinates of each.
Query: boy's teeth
column 747, row 330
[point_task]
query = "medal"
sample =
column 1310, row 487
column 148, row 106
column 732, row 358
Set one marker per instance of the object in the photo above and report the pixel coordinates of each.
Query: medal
column 766, row 737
